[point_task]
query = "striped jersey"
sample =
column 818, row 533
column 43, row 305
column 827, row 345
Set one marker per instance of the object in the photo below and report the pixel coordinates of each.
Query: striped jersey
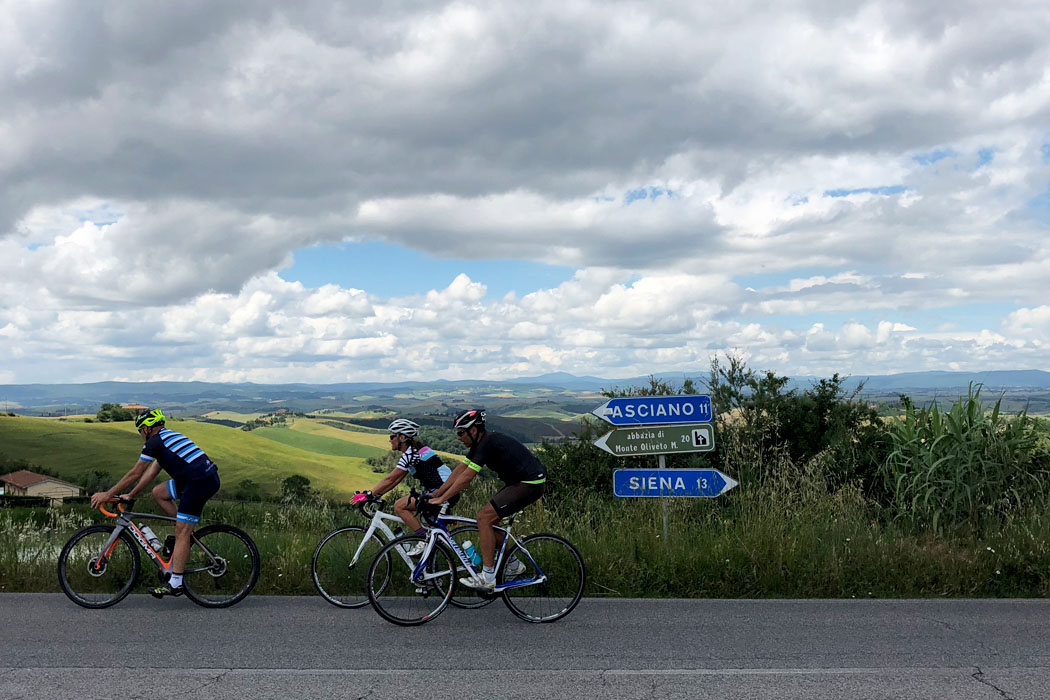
column 177, row 455
column 425, row 465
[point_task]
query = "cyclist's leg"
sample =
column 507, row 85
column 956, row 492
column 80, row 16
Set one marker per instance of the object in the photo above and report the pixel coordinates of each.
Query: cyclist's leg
column 406, row 510
column 191, row 504
column 165, row 494
column 510, row 499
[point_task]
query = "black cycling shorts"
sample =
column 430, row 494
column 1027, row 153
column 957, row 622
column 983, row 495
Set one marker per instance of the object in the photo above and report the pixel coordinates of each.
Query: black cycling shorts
column 512, row 498
column 193, row 494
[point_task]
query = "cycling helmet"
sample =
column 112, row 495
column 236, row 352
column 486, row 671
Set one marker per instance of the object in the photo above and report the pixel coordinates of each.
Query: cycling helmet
column 149, row 419
column 403, row 426
column 468, row 419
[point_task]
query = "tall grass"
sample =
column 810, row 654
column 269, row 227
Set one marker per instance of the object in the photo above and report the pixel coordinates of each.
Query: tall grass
column 947, row 468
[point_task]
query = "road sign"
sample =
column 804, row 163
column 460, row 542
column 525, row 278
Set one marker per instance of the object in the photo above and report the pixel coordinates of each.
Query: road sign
column 658, row 439
column 655, row 410
column 662, row 483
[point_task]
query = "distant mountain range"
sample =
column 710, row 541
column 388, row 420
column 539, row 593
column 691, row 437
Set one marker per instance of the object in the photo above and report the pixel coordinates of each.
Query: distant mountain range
column 558, row 386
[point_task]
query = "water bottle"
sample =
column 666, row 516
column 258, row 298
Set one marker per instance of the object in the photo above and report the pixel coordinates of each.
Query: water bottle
column 472, row 554
column 153, row 540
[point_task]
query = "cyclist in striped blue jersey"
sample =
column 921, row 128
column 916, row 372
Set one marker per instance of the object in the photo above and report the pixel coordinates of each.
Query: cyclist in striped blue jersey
column 194, row 479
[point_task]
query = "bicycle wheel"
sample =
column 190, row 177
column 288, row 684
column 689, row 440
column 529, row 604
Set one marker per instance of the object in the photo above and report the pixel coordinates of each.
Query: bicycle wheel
column 222, row 567
column 94, row 578
column 551, row 556
column 399, row 599
column 464, row 596
column 340, row 565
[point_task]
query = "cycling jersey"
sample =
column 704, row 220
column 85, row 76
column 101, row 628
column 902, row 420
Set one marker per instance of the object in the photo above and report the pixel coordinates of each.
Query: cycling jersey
column 425, row 465
column 512, row 461
column 177, row 455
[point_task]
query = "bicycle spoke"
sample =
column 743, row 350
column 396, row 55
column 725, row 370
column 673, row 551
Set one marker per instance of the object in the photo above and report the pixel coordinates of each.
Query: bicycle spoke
column 222, row 567
column 554, row 573
column 92, row 577
column 399, row 599
column 338, row 576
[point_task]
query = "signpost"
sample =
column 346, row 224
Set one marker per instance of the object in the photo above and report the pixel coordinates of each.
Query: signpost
column 655, row 410
column 661, row 425
column 658, row 483
column 659, row 439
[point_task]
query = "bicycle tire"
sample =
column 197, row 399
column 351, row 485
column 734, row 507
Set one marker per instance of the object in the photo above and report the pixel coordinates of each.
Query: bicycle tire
column 340, row 579
column 464, row 596
column 222, row 568
column 566, row 576
column 401, row 600
column 98, row 589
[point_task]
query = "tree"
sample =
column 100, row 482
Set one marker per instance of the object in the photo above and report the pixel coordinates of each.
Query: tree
column 296, row 488
column 113, row 413
column 248, row 490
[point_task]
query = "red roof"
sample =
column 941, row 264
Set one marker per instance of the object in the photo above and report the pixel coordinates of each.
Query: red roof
column 24, row 479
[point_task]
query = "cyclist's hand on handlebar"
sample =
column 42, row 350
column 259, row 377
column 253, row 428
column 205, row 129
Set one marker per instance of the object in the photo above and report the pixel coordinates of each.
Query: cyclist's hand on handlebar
column 99, row 498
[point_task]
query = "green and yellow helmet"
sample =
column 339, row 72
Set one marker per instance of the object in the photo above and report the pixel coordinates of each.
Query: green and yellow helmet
column 149, row 419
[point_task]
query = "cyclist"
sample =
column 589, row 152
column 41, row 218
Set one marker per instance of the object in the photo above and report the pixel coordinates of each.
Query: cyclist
column 194, row 479
column 523, row 476
column 421, row 462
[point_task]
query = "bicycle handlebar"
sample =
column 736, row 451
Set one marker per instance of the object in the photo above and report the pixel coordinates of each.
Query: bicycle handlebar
column 121, row 503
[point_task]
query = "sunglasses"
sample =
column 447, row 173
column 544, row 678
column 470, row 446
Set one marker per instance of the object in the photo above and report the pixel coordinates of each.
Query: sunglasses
column 393, row 437
column 461, row 431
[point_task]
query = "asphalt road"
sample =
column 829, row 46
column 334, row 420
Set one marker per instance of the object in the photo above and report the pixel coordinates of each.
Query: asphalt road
column 271, row 647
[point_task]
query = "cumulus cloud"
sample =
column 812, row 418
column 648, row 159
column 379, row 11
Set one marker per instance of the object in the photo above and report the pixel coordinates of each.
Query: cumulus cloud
column 812, row 184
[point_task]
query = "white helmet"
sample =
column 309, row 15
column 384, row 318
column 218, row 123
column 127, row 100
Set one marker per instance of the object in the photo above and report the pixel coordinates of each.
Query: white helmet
column 403, row 426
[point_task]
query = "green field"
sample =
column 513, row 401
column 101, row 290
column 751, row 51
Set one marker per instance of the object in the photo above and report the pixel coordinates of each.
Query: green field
column 76, row 449
column 320, row 444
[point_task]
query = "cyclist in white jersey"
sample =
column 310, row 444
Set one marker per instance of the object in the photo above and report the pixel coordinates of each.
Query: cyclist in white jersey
column 418, row 460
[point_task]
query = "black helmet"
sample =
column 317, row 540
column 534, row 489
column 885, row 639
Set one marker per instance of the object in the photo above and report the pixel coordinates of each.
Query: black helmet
column 468, row 419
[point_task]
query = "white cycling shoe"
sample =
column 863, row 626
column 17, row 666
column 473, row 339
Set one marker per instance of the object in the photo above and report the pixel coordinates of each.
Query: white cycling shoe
column 479, row 583
column 514, row 567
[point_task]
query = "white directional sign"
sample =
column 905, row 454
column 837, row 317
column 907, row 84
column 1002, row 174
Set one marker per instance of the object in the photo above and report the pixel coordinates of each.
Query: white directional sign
column 658, row 439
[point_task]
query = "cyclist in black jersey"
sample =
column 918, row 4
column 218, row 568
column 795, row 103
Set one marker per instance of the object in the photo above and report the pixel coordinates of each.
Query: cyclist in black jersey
column 194, row 479
column 523, row 475
column 421, row 462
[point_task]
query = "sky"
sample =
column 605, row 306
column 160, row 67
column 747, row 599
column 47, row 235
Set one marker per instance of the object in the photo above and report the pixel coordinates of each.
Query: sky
column 332, row 192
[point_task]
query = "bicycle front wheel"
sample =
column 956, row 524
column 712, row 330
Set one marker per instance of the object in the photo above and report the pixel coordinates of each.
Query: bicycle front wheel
column 551, row 577
column 94, row 575
column 340, row 565
column 222, row 567
column 400, row 599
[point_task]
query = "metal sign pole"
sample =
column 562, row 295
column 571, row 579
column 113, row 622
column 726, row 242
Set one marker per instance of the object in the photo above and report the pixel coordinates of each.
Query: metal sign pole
column 663, row 502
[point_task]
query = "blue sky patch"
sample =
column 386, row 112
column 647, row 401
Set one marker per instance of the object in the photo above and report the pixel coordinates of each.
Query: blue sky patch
column 389, row 270
column 934, row 156
column 646, row 193
column 886, row 190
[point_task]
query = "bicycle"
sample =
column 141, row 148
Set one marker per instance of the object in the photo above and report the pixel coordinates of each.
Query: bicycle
column 99, row 564
column 341, row 559
column 547, row 586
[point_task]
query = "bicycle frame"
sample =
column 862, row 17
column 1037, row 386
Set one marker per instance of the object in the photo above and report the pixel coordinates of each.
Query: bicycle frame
column 125, row 521
column 438, row 532
column 377, row 524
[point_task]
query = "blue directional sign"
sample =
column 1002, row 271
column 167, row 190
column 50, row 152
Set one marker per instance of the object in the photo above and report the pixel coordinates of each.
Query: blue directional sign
column 655, row 410
column 664, row 483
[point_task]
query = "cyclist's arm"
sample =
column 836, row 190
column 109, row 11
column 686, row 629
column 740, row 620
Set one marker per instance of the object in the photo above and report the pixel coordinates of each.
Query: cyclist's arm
column 128, row 479
column 389, row 481
column 147, row 478
column 462, row 475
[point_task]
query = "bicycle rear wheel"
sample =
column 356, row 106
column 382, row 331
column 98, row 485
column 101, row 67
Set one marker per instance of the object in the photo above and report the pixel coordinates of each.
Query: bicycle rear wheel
column 340, row 565
column 95, row 578
column 465, row 597
column 222, row 567
column 552, row 599
column 399, row 599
